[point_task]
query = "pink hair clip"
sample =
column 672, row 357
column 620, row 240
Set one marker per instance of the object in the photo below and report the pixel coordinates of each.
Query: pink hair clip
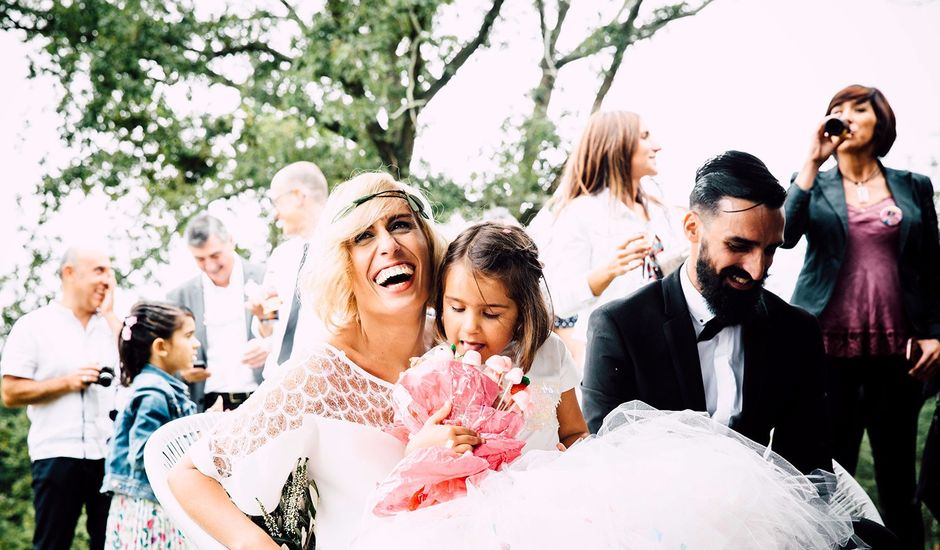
column 126, row 331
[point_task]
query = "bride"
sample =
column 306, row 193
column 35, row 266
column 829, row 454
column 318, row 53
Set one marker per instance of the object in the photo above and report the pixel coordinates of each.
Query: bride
column 649, row 480
column 376, row 255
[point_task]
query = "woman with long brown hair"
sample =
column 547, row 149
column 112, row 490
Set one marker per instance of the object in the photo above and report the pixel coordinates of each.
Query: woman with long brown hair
column 602, row 235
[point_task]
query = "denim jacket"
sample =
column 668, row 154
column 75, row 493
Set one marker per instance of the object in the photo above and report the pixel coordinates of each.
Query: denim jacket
column 157, row 399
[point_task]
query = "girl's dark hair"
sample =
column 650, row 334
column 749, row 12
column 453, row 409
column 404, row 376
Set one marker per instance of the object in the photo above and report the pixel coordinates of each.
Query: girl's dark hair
column 504, row 253
column 146, row 322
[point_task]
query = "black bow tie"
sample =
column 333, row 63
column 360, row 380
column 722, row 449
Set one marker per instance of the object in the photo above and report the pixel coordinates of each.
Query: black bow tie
column 712, row 328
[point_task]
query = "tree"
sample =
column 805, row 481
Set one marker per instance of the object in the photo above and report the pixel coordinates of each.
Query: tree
column 345, row 83
column 531, row 167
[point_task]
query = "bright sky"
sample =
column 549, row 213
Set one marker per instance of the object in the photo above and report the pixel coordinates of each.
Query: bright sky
column 754, row 75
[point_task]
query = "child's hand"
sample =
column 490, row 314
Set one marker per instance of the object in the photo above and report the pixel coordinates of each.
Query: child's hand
column 435, row 434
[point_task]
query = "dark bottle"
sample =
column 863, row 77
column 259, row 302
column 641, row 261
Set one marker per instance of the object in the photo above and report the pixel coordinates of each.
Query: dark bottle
column 836, row 127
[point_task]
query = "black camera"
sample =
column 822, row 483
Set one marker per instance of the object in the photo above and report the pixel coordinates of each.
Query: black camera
column 105, row 376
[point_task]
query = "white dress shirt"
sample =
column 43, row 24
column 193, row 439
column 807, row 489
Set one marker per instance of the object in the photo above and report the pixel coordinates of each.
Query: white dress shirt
column 583, row 237
column 721, row 358
column 281, row 274
column 51, row 342
column 227, row 334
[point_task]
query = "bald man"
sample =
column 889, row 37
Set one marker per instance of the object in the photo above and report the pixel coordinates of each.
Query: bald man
column 54, row 364
column 298, row 192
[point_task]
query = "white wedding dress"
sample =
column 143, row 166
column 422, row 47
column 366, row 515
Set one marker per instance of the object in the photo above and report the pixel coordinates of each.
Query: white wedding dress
column 651, row 479
column 324, row 408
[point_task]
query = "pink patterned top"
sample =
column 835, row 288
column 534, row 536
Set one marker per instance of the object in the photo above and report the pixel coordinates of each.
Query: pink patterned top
column 865, row 316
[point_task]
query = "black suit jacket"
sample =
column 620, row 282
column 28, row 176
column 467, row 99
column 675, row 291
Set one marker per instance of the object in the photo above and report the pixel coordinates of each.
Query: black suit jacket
column 822, row 216
column 643, row 347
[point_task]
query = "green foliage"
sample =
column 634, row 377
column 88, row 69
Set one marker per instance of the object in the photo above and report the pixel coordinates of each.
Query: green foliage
column 865, row 473
column 16, row 508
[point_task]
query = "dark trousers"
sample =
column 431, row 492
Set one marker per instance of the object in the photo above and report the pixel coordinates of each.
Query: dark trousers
column 61, row 486
column 876, row 394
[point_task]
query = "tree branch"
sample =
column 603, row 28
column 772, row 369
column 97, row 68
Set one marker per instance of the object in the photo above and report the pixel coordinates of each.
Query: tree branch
column 251, row 47
column 563, row 6
column 626, row 30
column 339, row 129
column 609, row 75
column 292, row 13
column 664, row 16
column 602, row 37
column 548, row 53
column 464, row 54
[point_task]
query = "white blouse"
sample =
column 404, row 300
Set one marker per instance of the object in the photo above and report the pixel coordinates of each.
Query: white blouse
column 583, row 237
column 552, row 373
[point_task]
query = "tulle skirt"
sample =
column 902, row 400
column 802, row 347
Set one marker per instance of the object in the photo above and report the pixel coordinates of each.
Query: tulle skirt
column 650, row 479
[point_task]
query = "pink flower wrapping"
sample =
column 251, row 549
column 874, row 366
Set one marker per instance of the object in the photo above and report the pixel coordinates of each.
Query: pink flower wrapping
column 430, row 476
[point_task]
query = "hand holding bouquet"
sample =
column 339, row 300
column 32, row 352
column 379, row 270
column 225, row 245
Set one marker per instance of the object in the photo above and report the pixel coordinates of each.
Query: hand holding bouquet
column 489, row 399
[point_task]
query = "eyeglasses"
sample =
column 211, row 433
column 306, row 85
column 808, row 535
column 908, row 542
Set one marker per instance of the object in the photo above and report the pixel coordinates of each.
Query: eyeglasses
column 413, row 202
column 275, row 200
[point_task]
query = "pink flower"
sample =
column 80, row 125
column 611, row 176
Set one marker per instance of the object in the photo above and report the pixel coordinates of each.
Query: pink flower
column 514, row 376
column 499, row 363
column 522, row 399
column 472, row 357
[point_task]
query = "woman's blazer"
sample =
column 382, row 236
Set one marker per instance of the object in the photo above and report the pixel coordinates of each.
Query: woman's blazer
column 821, row 214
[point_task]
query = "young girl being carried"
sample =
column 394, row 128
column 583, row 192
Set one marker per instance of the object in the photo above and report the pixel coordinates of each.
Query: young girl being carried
column 157, row 341
column 489, row 300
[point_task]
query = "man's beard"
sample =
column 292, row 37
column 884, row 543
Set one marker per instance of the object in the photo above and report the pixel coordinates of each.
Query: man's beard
column 730, row 305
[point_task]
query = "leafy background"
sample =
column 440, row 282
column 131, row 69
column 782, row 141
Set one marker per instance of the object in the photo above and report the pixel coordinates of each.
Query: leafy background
column 347, row 82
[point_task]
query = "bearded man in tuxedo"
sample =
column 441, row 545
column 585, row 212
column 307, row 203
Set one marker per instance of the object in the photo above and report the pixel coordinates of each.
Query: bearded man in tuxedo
column 709, row 337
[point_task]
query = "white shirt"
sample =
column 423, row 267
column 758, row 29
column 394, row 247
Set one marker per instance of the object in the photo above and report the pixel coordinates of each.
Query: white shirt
column 552, row 373
column 281, row 274
column 583, row 237
column 227, row 334
column 721, row 358
column 51, row 342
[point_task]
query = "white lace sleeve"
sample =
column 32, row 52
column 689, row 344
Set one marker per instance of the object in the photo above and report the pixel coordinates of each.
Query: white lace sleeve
column 253, row 449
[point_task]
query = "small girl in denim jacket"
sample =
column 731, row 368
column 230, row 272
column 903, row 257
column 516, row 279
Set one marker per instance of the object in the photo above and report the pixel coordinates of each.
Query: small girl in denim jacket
column 157, row 341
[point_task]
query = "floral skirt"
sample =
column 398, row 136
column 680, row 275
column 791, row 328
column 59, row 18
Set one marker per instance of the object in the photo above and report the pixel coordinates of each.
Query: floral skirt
column 140, row 523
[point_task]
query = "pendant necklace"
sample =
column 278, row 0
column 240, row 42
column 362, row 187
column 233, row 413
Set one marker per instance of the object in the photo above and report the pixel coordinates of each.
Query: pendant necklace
column 861, row 191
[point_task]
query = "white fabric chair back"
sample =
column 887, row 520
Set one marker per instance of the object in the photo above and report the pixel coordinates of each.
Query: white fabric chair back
column 164, row 449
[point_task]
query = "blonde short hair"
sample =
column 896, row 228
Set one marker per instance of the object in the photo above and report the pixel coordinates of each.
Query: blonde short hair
column 328, row 288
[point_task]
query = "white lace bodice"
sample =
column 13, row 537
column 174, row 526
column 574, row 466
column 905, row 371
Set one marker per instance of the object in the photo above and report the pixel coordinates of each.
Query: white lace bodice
column 325, row 384
column 324, row 408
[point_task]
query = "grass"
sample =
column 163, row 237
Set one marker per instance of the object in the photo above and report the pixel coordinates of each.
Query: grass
column 865, row 474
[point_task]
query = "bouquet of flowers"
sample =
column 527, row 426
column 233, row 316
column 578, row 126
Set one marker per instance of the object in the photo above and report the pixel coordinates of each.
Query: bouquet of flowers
column 488, row 398
column 290, row 524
